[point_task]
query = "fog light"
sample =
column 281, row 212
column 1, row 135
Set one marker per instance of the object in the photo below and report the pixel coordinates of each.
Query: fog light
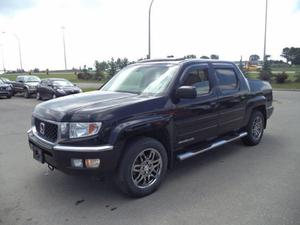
column 78, row 163
column 92, row 163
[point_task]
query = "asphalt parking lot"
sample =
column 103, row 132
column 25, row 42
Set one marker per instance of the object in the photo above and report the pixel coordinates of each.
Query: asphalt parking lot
column 231, row 185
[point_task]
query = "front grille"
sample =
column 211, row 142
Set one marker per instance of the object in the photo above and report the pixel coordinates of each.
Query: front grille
column 46, row 130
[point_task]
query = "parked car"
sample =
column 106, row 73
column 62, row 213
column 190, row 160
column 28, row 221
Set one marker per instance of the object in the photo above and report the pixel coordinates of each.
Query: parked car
column 7, row 81
column 26, row 84
column 5, row 89
column 147, row 116
column 55, row 87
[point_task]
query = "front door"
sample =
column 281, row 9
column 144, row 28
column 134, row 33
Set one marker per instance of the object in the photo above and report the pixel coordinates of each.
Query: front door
column 196, row 119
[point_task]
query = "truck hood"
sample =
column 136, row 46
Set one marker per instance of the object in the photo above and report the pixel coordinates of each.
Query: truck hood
column 85, row 107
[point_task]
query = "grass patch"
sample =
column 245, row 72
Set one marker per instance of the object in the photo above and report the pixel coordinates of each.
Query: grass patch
column 69, row 76
column 88, row 89
column 288, row 85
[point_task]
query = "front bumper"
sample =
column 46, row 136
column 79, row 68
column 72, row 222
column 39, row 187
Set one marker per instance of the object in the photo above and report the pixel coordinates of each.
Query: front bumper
column 5, row 93
column 270, row 111
column 32, row 91
column 59, row 156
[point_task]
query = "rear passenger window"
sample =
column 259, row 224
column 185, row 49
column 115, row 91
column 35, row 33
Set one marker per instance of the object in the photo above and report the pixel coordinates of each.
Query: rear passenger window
column 227, row 79
column 199, row 79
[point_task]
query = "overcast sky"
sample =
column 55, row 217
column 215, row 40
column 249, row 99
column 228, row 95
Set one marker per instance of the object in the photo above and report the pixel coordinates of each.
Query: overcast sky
column 101, row 29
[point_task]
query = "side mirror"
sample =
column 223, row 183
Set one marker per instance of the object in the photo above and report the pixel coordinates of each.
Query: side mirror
column 186, row 92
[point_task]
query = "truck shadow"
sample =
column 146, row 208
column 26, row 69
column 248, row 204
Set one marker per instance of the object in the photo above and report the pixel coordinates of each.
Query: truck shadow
column 206, row 170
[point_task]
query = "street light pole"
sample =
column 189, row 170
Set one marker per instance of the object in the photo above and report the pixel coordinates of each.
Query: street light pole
column 19, row 48
column 149, row 31
column 266, row 22
column 64, row 45
column 20, row 54
column 2, row 51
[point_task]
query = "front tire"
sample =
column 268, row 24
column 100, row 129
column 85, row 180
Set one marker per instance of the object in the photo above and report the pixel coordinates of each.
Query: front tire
column 38, row 96
column 255, row 129
column 142, row 168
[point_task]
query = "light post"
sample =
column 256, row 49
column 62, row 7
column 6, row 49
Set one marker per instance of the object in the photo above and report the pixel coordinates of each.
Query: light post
column 19, row 48
column 64, row 45
column 20, row 54
column 149, row 31
column 2, row 51
column 265, row 38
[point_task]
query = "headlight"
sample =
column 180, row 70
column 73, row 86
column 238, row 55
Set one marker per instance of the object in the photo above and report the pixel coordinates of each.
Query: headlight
column 78, row 130
column 8, row 88
column 60, row 90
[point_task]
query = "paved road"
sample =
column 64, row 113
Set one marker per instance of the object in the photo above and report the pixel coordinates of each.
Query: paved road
column 231, row 185
column 89, row 85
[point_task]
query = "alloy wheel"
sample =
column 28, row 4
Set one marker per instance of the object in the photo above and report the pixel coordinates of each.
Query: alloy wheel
column 257, row 127
column 146, row 168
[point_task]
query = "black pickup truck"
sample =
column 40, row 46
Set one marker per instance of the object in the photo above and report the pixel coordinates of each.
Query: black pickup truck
column 147, row 117
column 26, row 84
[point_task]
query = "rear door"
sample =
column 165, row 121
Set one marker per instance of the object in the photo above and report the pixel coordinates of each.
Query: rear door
column 196, row 119
column 231, row 100
column 41, row 88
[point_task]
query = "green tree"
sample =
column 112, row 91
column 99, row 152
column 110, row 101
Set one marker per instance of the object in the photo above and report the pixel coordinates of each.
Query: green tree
column 112, row 67
column 121, row 63
column 101, row 68
column 204, row 57
column 266, row 73
column 191, row 56
column 213, row 56
column 292, row 55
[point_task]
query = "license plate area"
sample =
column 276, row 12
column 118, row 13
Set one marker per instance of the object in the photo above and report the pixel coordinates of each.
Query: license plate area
column 38, row 154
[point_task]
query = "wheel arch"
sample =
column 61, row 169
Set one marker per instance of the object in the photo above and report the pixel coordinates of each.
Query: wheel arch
column 158, row 130
column 257, row 103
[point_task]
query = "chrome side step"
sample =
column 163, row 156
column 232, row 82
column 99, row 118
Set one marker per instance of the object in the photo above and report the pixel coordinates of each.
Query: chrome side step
column 187, row 155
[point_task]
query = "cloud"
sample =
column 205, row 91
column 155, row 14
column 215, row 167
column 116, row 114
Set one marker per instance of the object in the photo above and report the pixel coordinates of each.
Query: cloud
column 8, row 7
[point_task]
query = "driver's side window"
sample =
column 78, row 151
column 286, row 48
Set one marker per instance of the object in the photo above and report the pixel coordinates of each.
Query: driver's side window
column 199, row 79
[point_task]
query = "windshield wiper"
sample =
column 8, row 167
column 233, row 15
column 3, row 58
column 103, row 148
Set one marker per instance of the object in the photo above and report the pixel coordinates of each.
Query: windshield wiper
column 130, row 92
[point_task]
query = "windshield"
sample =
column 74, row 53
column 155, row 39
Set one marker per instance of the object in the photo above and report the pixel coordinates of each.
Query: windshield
column 62, row 83
column 33, row 79
column 4, row 79
column 143, row 79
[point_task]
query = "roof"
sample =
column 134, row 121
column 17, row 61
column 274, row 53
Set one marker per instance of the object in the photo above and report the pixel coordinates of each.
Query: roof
column 182, row 61
column 54, row 79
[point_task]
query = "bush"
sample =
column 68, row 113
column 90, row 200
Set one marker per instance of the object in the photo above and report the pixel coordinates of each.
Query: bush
column 297, row 77
column 84, row 76
column 265, row 75
column 281, row 77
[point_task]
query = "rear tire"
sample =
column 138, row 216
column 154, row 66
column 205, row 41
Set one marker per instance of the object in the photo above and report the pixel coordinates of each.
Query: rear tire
column 142, row 168
column 254, row 128
column 26, row 93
